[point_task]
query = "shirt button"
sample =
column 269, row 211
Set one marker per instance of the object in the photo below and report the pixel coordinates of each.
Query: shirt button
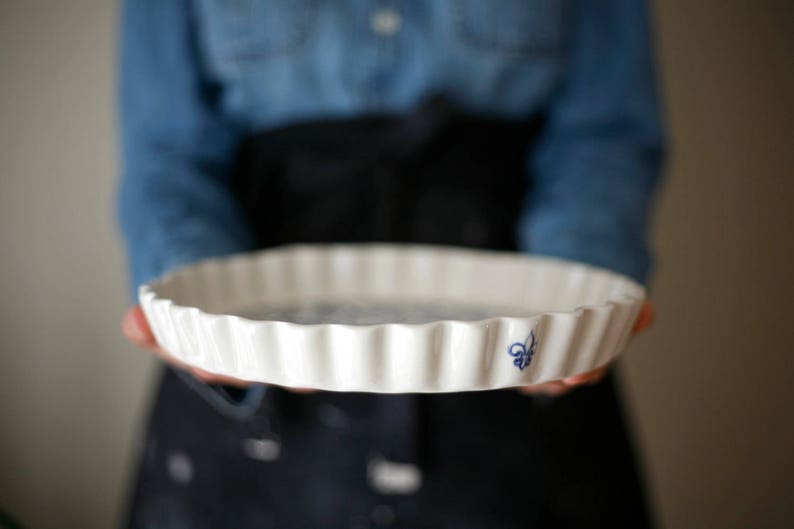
column 386, row 22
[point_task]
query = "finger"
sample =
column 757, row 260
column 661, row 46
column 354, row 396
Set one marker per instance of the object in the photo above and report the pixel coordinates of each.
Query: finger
column 214, row 378
column 551, row 389
column 136, row 329
column 591, row 377
column 301, row 391
column 645, row 317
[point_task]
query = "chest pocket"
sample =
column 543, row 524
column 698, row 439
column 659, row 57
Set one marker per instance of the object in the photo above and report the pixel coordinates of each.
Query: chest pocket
column 236, row 32
column 516, row 26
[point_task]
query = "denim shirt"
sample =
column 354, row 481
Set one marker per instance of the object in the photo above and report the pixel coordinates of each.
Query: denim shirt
column 198, row 75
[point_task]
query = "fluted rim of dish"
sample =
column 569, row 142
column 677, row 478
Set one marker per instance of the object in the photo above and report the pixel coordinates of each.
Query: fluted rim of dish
column 589, row 315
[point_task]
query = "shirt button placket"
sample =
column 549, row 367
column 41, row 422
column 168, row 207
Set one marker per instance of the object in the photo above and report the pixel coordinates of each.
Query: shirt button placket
column 385, row 24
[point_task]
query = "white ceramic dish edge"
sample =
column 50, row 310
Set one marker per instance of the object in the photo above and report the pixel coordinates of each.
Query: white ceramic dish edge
column 440, row 356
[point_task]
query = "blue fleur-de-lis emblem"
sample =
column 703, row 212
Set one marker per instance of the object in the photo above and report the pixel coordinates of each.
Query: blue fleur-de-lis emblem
column 522, row 353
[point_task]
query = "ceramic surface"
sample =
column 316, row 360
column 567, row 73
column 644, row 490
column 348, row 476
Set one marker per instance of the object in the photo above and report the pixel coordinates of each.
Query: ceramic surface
column 546, row 318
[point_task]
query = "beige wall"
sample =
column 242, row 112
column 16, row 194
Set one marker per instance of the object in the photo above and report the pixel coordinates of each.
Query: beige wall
column 709, row 388
column 712, row 385
column 71, row 393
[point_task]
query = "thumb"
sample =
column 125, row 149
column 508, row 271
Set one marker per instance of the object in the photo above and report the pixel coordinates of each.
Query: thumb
column 645, row 317
column 136, row 327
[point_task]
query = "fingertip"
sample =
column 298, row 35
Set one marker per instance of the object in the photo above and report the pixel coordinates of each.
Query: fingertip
column 576, row 379
column 645, row 317
column 550, row 389
column 590, row 377
column 556, row 389
column 301, row 391
column 204, row 376
column 136, row 328
column 140, row 319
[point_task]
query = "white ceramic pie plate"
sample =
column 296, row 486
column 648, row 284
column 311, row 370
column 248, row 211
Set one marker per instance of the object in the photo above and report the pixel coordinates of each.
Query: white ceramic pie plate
column 520, row 319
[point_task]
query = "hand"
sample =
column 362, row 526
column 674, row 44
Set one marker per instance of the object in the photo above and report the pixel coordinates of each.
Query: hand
column 560, row 387
column 137, row 331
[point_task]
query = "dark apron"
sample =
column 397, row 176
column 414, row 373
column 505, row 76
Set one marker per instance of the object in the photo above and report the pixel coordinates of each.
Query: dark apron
column 484, row 459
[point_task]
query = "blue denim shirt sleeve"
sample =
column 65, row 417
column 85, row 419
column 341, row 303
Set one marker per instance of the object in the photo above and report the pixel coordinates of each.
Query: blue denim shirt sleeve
column 595, row 167
column 175, row 202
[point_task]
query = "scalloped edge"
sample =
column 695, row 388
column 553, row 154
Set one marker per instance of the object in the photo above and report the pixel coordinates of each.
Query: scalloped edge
column 442, row 356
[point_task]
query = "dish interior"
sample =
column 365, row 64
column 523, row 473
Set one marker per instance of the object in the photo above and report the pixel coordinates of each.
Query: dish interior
column 371, row 284
column 372, row 312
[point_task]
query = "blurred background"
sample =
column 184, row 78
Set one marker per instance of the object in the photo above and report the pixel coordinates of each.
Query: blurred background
column 709, row 387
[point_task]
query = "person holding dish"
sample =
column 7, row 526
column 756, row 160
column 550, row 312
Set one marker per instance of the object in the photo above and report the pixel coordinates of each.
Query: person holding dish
column 512, row 125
